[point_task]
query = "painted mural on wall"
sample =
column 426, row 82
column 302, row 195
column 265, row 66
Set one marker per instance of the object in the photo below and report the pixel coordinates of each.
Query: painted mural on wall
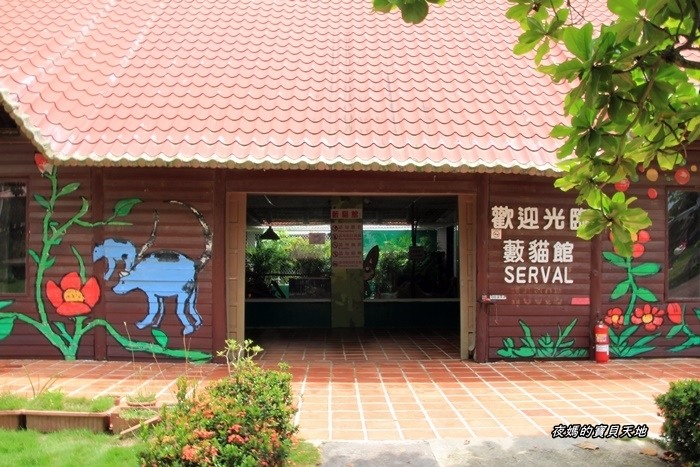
column 159, row 275
column 537, row 261
column 545, row 346
column 634, row 326
column 68, row 318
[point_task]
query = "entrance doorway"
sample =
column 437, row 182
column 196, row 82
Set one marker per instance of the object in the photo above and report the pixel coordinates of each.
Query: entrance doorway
column 378, row 265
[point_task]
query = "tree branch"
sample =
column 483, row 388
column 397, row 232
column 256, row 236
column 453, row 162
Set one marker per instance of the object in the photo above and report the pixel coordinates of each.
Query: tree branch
column 683, row 62
column 690, row 38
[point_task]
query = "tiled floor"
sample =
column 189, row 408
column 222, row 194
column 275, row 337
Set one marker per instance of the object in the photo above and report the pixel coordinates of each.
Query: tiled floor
column 402, row 385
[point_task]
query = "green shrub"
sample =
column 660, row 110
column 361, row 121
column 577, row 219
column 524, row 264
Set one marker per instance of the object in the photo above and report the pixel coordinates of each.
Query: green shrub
column 244, row 419
column 680, row 407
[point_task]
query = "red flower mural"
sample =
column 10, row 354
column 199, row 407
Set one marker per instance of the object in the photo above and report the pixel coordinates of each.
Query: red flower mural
column 615, row 318
column 71, row 297
column 674, row 313
column 42, row 163
column 638, row 247
column 650, row 317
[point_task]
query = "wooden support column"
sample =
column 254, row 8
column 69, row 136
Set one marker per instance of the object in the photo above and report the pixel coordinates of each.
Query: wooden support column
column 481, row 352
column 235, row 265
column 467, row 274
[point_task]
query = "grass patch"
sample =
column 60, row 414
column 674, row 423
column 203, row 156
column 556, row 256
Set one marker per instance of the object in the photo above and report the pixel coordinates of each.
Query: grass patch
column 55, row 401
column 67, row 449
column 71, row 449
column 141, row 399
column 304, row 454
column 11, row 401
column 136, row 413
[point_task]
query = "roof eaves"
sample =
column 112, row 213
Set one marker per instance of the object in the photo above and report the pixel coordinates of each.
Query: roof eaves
column 23, row 122
column 129, row 160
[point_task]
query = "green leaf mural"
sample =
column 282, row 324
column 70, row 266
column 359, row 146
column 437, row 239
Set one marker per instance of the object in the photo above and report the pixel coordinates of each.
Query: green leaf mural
column 633, row 330
column 75, row 295
column 6, row 324
column 545, row 346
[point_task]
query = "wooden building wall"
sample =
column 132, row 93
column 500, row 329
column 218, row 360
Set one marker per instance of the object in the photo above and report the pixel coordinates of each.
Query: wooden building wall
column 641, row 287
column 547, row 309
column 540, row 268
column 134, row 194
column 178, row 230
column 535, row 318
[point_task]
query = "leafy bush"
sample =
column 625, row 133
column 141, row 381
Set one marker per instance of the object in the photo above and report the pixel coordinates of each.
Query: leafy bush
column 244, row 419
column 680, row 407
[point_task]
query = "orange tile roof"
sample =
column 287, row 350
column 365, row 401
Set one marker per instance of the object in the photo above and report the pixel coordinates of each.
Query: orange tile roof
column 275, row 84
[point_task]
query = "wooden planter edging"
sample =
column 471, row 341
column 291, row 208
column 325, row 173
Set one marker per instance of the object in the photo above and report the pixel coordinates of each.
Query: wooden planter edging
column 12, row 419
column 47, row 421
column 51, row 421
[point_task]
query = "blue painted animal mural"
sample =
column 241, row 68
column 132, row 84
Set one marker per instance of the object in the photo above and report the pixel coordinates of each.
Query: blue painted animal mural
column 163, row 274
column 115, row 250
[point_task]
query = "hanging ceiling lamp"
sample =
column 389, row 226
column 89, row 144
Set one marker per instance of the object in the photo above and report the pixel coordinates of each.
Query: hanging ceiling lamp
column 269, row 234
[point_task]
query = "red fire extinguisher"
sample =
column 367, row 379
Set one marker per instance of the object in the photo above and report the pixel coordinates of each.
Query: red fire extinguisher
column 602, row 343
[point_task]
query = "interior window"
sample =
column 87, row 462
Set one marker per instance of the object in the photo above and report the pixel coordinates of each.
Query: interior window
column 13, row 218
column 684, row 244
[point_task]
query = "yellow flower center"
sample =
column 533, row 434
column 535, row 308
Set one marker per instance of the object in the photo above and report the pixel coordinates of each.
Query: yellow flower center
column 73, row 295
column 647, row 318
column 615, row 318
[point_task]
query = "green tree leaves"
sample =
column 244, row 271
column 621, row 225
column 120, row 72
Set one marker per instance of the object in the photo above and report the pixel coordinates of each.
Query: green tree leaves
column 633, row 100
column 412, row 11
column 579, row 41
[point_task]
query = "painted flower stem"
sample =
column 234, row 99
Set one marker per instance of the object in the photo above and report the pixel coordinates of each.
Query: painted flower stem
column 633, row 296
column 620, row 346
column 634, row 317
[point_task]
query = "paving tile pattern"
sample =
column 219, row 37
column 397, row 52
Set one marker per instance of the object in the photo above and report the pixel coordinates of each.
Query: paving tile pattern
column 381, row 385
column 277, row 84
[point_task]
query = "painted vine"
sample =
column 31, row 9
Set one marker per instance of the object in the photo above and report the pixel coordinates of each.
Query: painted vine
column 75, row 295
column 634, row 330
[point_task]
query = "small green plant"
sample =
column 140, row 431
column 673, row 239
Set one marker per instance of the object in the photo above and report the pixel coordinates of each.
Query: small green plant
column 141, row 398
column 40, row 387
column 680, row 407
column 137, row 413
column 239, row 354
column 244, row 419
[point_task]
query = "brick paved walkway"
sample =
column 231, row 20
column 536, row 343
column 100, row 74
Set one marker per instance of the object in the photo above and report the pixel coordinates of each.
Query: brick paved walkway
column 380, row 385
